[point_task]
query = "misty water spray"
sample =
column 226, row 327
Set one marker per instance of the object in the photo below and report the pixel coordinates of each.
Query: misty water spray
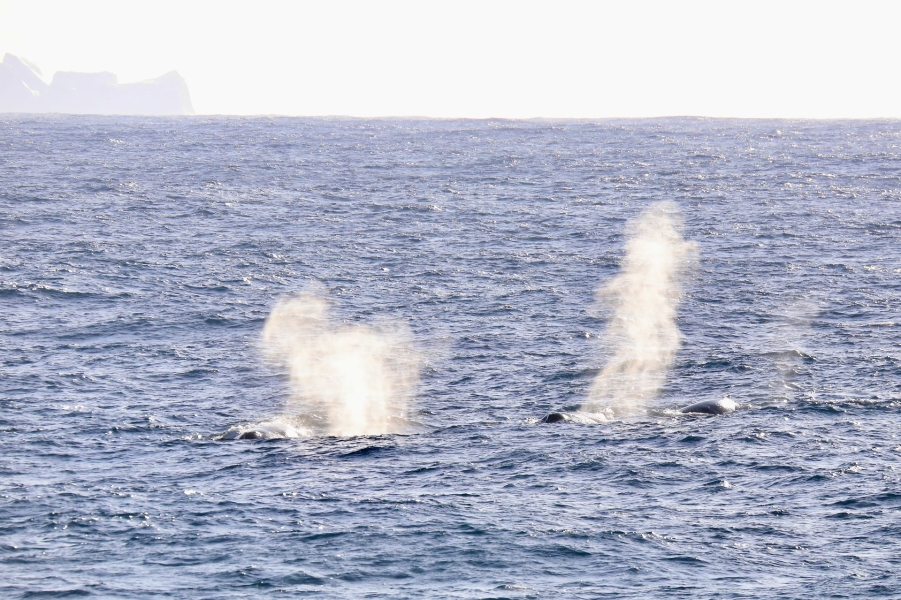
column 359, row 378
column 642, row 336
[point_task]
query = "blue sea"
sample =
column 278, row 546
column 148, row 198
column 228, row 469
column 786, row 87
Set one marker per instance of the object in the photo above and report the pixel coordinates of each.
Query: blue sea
column 141, row 257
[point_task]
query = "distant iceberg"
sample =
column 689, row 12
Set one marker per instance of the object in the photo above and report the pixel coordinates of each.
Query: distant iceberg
column 23, row 91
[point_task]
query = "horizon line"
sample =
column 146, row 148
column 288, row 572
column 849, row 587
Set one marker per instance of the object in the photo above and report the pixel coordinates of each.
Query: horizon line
column 461, row 118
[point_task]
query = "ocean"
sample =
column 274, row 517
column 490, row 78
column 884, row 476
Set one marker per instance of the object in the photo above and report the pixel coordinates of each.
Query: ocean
column 140, row 259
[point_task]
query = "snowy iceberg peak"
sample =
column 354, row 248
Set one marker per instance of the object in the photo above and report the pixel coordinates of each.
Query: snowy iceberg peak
column 23, row 91
column 20, row 85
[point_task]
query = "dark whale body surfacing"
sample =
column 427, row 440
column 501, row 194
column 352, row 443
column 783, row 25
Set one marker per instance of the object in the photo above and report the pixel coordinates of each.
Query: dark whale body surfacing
column 271, row 430
column 708, row 407
column 712, row 407
column 554, row 418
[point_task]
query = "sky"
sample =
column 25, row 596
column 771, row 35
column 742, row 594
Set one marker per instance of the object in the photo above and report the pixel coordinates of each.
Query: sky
column 553, row 59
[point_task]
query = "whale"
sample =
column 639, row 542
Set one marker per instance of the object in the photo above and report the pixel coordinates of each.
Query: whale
column 577, row 416
column 554, row 417
column 722, row 406
column 271, row 430
column 712, row 407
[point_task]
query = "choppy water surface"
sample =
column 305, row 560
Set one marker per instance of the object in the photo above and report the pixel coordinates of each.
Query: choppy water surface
column 139, row 259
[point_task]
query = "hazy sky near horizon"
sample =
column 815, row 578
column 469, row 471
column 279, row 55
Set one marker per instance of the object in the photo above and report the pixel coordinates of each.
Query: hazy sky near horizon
column 484, row 59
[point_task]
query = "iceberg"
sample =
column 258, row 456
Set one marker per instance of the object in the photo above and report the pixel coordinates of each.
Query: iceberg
column 22, row 90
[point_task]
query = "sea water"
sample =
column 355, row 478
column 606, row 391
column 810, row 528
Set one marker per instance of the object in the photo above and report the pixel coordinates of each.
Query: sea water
column 140, row 259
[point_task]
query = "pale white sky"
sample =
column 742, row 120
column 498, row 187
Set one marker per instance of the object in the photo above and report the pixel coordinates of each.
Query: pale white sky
column 484, row 59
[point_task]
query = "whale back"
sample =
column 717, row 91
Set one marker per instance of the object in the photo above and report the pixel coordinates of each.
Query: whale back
column 712, row 407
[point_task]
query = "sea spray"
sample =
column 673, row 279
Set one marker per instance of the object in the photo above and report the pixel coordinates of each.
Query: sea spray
column 641, row 335
column 786, row 342
column 360, row 379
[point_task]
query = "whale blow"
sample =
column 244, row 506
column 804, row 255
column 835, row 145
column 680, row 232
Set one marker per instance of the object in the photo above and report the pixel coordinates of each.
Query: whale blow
column 641, row 301
column 359, row 378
